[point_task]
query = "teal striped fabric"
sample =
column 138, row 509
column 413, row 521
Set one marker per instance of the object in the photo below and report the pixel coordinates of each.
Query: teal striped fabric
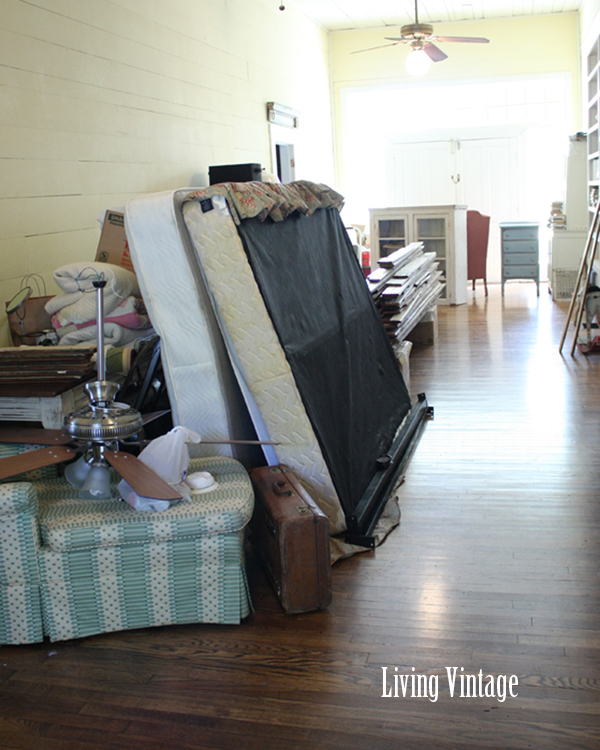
column 20, row 608
column 104, row 589
column 19, row 497
column 19, row 546
column 104, row 566
column 68, row 523
column 20, row 614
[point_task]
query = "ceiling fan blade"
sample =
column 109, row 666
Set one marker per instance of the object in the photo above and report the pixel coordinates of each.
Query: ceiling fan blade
column 381, row 46
column 35, row 435
column 34, row 460
column 142, row 478
column 472, row 39
column 434, row 53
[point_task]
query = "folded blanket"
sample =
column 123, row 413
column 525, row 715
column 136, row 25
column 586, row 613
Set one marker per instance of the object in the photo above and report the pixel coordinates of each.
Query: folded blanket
column 76, row 280
column 114, row 334
column 130, row 313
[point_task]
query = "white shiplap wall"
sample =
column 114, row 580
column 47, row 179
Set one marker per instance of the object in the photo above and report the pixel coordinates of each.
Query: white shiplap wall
column 104, row 99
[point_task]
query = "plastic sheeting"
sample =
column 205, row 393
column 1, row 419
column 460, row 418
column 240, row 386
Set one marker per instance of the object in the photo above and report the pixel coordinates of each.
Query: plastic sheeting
column 332, row 336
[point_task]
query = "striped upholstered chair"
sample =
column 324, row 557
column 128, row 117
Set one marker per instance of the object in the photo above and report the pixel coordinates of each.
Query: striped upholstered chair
column 71, row 568
column 20, row 603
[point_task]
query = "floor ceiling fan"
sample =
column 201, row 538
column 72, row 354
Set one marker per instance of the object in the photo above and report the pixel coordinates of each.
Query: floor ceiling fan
column 94, row 432
column 421, row 38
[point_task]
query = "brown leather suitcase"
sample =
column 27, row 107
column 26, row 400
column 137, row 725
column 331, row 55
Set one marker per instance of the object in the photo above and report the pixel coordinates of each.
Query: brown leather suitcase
column 290, row 535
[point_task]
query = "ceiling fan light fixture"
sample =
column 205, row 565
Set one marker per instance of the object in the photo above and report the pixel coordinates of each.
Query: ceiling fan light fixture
column 418, row 62
column 97, row 484
column 76, row 473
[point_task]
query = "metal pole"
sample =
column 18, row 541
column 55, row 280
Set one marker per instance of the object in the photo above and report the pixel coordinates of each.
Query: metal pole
column 100, row 359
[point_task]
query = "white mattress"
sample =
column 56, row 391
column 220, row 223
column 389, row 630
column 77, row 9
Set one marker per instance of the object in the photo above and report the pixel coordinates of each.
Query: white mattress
column 202, row 387
column 225, row 266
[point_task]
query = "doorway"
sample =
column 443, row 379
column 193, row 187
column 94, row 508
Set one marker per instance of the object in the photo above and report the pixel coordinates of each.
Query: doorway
column 285, row 146
column 468, row 169
column 286, row 164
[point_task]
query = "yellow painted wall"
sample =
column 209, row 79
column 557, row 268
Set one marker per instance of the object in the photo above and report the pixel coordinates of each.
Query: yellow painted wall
column 104, row 99
column 519, row 46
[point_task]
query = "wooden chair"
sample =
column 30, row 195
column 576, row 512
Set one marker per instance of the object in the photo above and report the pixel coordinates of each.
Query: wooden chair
column 478, row 232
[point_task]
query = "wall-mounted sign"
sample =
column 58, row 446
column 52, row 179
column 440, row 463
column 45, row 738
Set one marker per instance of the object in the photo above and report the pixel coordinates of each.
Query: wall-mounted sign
column 278, row 114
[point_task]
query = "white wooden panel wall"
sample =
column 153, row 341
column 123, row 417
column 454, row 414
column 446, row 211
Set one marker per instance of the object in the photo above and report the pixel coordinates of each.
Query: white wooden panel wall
column 104, row 99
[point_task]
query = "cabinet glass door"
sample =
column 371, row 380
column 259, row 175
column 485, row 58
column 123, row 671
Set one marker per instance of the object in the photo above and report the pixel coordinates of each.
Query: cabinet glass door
column 431, row 231
column 392, row 236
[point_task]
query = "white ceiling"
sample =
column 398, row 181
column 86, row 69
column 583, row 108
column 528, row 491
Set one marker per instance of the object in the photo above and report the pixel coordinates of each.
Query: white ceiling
column 338, row 15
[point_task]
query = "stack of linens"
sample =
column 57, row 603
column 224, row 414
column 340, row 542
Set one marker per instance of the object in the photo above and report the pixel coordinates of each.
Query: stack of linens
column 74, row 312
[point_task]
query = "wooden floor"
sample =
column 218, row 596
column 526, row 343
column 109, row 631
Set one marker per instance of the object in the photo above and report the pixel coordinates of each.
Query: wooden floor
column 495, row 567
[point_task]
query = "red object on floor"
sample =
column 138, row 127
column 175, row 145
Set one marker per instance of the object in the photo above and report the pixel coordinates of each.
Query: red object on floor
column 590, row 348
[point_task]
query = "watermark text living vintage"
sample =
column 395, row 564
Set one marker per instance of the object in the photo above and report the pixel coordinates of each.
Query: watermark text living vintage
column 460, row 684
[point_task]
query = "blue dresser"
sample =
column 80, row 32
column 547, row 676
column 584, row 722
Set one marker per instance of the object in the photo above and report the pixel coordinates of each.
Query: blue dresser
column 520, row 251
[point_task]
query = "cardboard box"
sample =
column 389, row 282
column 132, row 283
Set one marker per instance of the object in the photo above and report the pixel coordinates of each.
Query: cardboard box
column 113, row 247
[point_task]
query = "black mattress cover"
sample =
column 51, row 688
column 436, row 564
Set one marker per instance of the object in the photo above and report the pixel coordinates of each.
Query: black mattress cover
column 333, row 338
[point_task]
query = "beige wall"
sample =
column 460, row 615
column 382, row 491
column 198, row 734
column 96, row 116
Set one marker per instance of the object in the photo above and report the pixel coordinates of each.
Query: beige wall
column 105, row 99
column 527, row 46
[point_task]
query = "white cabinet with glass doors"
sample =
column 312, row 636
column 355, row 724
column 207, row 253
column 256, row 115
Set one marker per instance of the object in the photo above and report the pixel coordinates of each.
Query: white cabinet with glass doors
column 441, row 229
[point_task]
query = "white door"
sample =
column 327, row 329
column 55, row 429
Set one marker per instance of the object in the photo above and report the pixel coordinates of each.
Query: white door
column 481, row 173
column 489, row 183
column 421, row 174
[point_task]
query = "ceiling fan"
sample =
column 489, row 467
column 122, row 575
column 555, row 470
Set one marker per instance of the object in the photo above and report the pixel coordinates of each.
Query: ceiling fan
column 95, row 432
column 421, row 38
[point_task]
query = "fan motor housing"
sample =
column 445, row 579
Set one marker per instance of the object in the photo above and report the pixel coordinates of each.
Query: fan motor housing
column 103, row 423
column 416, row 31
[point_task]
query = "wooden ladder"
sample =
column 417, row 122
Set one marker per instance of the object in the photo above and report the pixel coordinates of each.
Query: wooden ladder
column 585, row 270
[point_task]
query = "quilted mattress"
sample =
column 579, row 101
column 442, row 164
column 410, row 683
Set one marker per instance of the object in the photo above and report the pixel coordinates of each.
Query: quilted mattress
column 203, row 389
column 221, row 255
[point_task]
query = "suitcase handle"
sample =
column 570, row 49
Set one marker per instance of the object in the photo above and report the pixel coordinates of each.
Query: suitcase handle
column 279, row 488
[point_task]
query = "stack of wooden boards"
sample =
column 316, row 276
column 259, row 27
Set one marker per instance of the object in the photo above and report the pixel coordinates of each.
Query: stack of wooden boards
column 44, row 370
column 406, row 285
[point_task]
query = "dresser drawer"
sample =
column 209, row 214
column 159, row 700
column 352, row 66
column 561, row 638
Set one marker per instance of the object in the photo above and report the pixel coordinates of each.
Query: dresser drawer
column 520, row 246
column 520, row 233
column 520, row 259
column 520, row 272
